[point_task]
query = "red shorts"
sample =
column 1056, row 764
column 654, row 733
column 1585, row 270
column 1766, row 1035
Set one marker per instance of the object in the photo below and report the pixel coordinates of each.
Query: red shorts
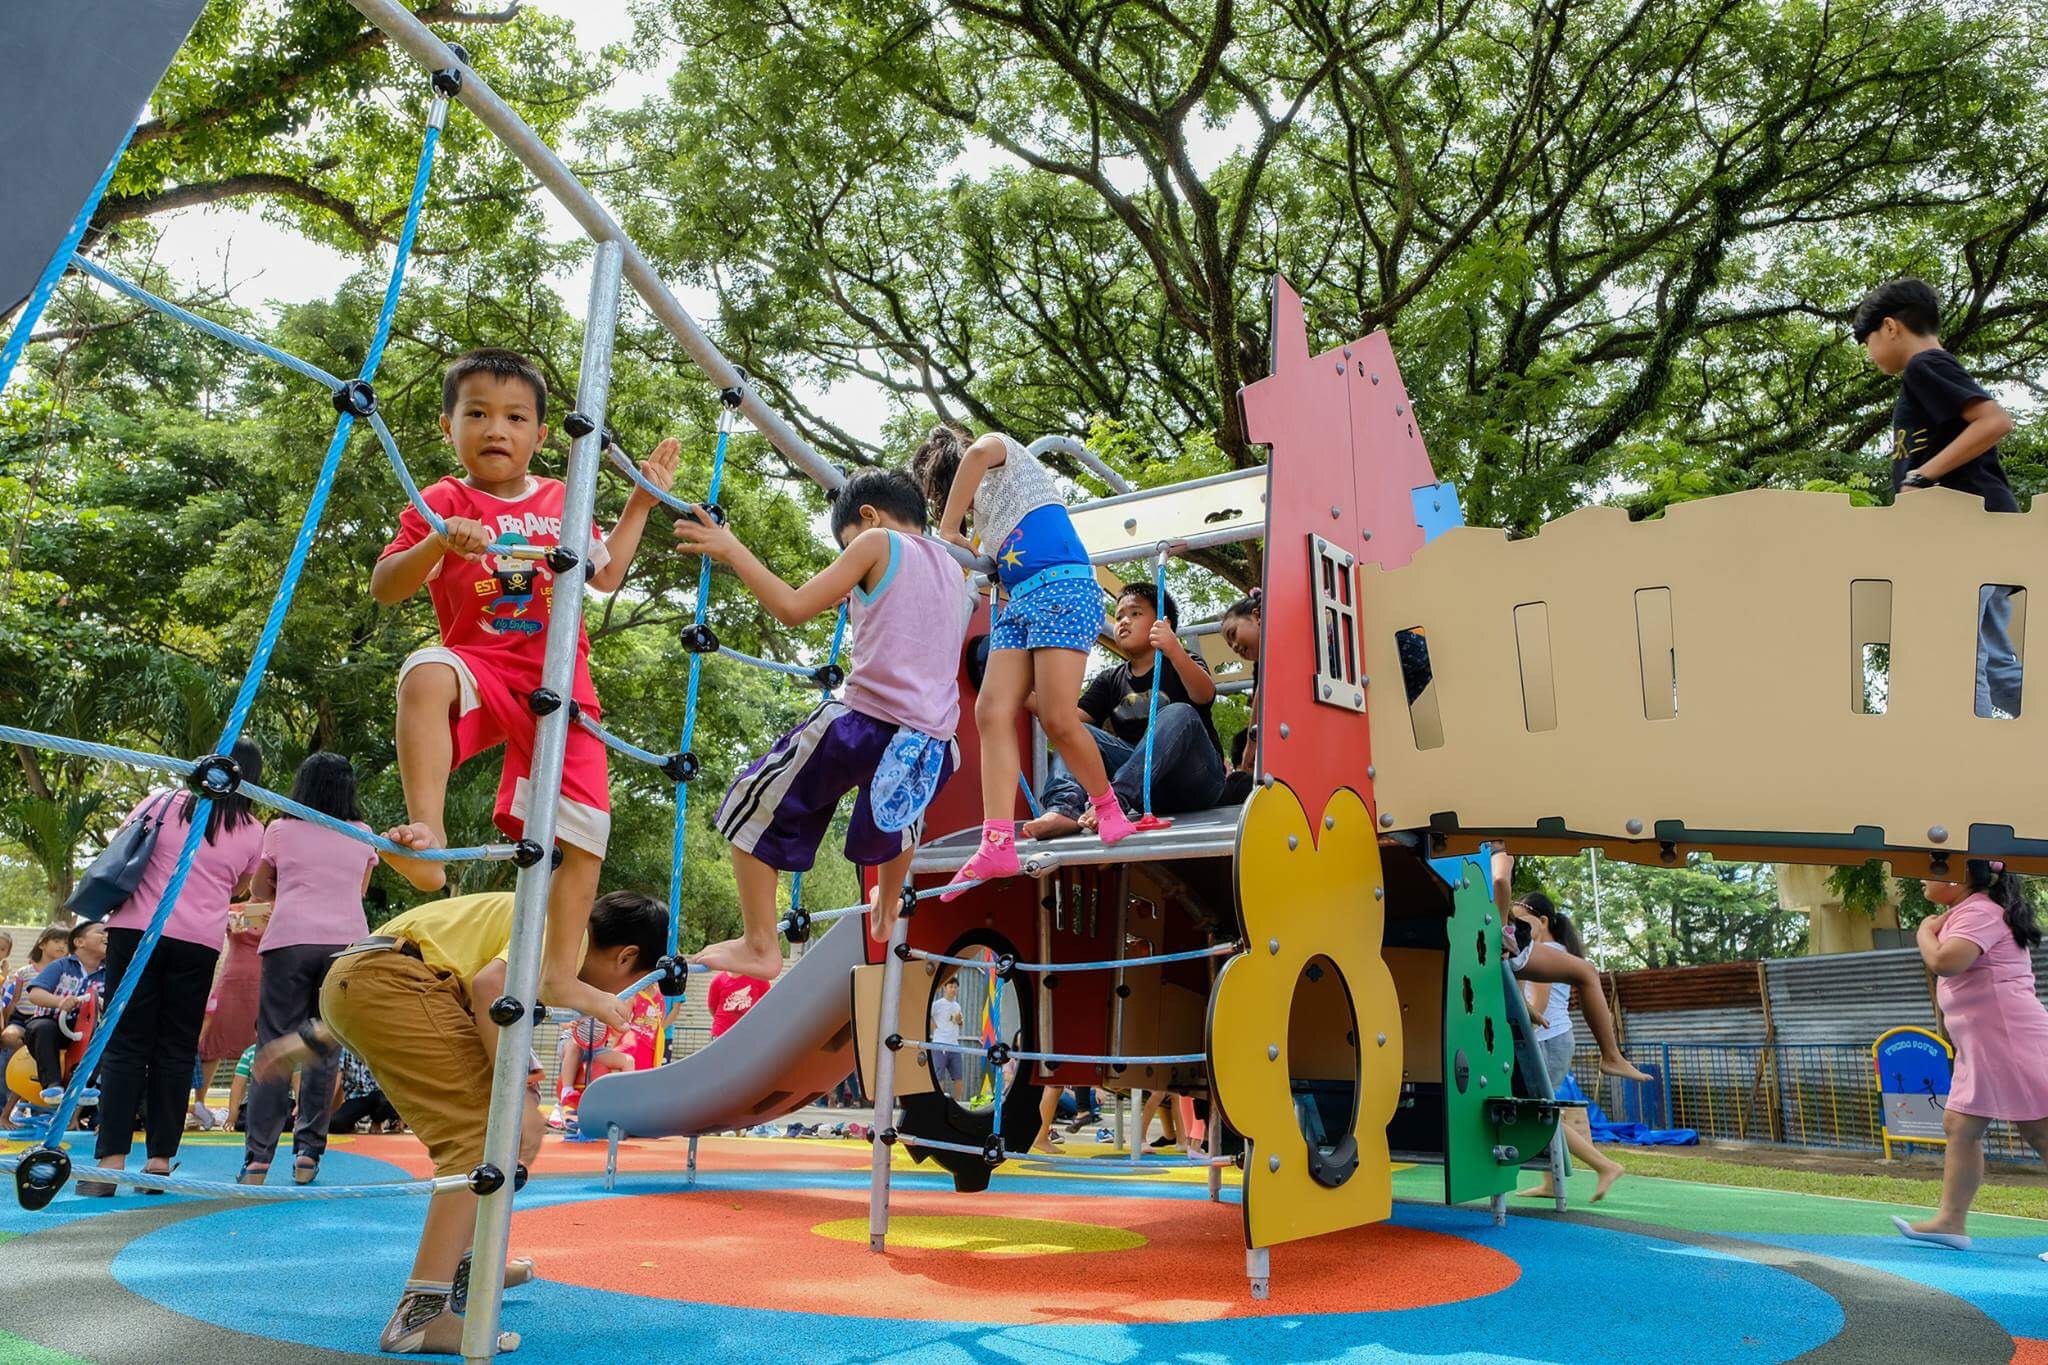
column 493, row 710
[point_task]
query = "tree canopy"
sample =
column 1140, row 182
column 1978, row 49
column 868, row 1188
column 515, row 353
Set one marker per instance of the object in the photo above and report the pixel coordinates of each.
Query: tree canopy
column 1615, row 244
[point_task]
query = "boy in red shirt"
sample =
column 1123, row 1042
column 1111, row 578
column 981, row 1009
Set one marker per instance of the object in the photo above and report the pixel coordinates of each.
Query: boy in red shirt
column 470, row 692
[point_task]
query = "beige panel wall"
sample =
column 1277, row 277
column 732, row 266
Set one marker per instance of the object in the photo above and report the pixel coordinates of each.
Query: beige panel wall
column 1764, row 737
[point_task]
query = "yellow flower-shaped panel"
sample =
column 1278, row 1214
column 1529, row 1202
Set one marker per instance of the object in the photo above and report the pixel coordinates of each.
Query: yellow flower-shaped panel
column 1307, row 891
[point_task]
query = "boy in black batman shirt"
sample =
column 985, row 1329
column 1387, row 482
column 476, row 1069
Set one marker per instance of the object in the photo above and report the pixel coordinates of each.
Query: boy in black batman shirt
column 1945, row 430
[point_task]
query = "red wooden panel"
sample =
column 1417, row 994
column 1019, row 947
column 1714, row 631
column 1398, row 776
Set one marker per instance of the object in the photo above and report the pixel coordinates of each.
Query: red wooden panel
column 1303, row 412
column 1388, row 459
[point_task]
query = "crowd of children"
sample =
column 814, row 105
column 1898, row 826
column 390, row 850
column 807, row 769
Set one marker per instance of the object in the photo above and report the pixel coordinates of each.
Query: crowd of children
column 406, row 1000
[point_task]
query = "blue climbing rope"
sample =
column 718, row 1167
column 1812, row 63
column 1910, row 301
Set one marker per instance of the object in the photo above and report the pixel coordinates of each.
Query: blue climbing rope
column 207, row 325
column 252, row 680
column 46, row 283
column 1159, row 667
column 675, row 857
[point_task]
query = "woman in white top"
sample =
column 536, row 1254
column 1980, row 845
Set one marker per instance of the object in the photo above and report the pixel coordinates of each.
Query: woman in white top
column 1548, row 930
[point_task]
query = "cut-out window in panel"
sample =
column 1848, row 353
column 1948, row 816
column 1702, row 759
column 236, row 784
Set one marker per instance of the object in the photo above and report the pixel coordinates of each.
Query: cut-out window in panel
column 1334, row 576
column 1658, row 652
column 2001, row 649
column 1420, row 684
column 1870, row 646
column 1539, row 685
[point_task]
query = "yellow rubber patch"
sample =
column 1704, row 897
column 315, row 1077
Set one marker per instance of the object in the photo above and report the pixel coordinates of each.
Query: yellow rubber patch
column 988, row 1236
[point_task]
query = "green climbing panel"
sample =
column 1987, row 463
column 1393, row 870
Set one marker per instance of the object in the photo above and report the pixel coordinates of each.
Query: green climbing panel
column 1479, row 1049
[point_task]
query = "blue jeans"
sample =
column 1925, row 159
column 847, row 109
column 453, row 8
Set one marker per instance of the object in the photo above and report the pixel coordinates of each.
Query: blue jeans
column 1187, row 770
column 1998, row 664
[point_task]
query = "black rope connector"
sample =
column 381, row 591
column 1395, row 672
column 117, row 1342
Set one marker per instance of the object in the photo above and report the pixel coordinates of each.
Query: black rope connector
column 519, row 1174
column 887, row 1137
column 1006, row 965
column 682, row 767
column 505, row 1011
column 544, row 701
column 1123, row 992
column 675, row 975
column 527, row 852
column 575, row 710
column 486, row 1180
column 828, row 676
column 578, row 425
column 607, row 438
column 909, row 897
column 555, row 859
column 731, row 397
column 998, row 1054
column 992, row 1149
column 894, row 1042
column 1049, row 980
column 448, row 80
column 356, row 397
column 903, row 951
column 40, row 1177
column 796, row 926
column 713, row 512
column 561, row 560
column 699, row 638
column 215, row 775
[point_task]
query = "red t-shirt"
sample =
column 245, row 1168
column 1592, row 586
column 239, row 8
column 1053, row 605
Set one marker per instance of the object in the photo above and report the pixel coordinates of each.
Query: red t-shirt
column 498, row 607
column 730, row 996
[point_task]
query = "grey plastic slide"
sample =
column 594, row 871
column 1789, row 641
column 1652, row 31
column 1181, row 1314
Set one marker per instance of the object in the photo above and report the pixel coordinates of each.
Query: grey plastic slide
column 795, row 1044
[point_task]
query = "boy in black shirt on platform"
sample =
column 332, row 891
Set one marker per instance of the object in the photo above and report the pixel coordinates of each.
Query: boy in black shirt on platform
column 1187, row 757
column 1945, row 431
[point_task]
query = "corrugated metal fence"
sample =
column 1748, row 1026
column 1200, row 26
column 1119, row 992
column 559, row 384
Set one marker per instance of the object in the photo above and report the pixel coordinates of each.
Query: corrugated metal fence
column 1775, row 1051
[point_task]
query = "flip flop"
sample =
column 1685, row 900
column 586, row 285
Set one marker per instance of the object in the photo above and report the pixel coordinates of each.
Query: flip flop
column 1954, row 1241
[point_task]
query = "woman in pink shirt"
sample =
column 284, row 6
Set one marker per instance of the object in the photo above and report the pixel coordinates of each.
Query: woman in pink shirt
column 1979, row 949
column 315, row 878
column 147, row 1066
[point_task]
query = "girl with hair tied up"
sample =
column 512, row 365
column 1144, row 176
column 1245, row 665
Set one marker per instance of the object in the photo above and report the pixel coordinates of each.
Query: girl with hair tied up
column 1550, row 931
column 1040, row 638
column 1978, row 947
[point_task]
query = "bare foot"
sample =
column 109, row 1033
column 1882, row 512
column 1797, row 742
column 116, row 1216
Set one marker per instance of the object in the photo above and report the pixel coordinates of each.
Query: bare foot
column 588, row 1000
column 738, row 956
column 1938, row 1225
column 1607, row 1179
column 1088, row 819
column 882, row 918
column 1622, row 1067
column 422, row 873
column 1051, row 825
column 1543, row 1191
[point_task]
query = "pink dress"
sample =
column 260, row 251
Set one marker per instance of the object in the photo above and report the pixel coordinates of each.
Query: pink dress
column 1998, row 1025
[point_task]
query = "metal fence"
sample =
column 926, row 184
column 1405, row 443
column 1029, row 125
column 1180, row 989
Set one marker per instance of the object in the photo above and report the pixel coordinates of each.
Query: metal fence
column 1796, row 1094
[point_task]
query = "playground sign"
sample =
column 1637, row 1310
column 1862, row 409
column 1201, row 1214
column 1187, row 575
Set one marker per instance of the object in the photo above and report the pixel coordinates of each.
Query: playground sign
column 1913, row 1070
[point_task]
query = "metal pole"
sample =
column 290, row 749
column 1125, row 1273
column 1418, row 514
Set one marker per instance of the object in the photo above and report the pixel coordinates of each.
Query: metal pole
column 1593, row 870
column 1083, row 456
column 556, row 177
column 1124, row 1140
column 885, row 1081
column 551, row 738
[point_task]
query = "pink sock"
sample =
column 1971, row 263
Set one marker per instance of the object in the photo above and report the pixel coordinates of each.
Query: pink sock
column 1110, row 821
column 997, row 857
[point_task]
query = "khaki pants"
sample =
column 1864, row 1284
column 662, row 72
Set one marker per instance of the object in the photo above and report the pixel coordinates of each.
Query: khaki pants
column 412, row 1024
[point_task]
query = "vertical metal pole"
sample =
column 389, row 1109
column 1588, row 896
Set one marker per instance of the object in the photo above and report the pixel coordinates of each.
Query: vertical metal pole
column 612, row 1134
column 1124, row 1140
column 1258, row 1267
column 1500, row 1210
column 551, row 738
column 1558, row 1168
column 1045, row 1042
column 1212, row 1141
column 885, row 1081
column 692, row 1171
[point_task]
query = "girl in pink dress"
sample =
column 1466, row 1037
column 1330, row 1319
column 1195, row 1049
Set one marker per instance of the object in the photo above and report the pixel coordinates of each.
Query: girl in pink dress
column 1978, row 947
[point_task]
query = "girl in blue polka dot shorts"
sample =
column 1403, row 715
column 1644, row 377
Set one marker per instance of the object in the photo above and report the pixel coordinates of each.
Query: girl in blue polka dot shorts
column 1042, row 632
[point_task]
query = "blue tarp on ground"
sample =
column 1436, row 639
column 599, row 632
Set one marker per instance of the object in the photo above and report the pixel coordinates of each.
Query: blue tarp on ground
column 1633, row 1134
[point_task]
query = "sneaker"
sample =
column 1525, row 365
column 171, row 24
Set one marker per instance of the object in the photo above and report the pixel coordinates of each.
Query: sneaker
column 1104, row 1135
column 53, row 1094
